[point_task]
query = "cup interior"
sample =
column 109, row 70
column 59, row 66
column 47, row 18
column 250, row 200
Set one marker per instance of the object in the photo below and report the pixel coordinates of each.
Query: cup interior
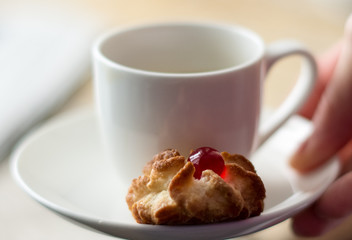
column 182, row 48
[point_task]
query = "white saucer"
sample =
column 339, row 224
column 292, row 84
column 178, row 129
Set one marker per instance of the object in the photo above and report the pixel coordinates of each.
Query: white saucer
column 61, row 166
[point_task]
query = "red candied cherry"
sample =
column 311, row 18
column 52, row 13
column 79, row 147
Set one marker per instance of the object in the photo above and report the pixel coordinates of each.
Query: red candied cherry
column 206, row 158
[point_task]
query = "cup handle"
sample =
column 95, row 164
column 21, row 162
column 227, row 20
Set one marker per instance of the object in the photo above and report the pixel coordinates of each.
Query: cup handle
column 299, row 93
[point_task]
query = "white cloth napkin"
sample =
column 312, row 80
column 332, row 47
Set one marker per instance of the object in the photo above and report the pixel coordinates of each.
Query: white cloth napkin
column 44, row 57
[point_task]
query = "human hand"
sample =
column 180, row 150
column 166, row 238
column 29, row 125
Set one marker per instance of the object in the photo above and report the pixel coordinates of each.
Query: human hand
column 330, row 107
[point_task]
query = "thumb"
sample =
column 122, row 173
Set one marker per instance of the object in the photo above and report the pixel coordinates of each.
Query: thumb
column 326, row 66
column 333, row 118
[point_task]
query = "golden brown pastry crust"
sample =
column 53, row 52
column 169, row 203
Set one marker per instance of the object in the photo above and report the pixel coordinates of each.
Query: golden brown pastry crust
column 167, row 192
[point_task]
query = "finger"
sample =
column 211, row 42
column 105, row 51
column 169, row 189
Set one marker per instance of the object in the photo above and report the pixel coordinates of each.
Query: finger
column 326, row 66
column 307, row 224
column 332, row 121
column 345, row 156
column 330, row 210
column 336, row 203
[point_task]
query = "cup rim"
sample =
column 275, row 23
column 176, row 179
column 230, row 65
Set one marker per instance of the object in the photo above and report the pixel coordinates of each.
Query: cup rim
column 98, row 55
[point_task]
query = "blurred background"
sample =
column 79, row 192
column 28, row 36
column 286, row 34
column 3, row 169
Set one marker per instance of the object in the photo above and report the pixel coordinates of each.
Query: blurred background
column 45, row 71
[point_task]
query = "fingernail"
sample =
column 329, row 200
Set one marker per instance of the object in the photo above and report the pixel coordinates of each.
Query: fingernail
column 298, row 161
column 303, row 159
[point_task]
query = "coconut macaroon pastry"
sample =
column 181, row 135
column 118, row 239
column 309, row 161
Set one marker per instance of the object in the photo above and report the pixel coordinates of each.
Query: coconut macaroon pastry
column 207, row 187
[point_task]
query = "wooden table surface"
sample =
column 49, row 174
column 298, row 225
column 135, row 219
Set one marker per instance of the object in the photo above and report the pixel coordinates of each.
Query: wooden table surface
column 316, row 23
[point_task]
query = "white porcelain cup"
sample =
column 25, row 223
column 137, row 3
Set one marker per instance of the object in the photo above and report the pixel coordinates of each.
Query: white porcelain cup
column 187, row 85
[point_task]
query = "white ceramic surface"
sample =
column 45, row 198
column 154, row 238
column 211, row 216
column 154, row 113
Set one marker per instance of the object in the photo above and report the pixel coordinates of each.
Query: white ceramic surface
column 61, row 165
column 184, row 85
